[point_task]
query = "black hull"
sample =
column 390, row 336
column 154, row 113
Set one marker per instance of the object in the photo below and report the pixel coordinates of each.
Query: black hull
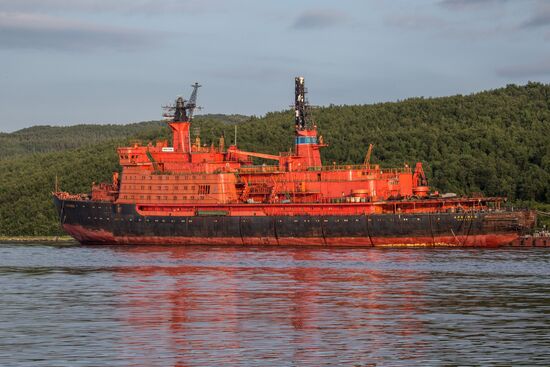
column 106, row 223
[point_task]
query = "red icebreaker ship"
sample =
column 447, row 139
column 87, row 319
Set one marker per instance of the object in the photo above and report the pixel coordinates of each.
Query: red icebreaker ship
column 185, row 194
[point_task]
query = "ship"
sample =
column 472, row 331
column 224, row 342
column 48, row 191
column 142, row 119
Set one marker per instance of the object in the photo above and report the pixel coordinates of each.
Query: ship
column 188, row 193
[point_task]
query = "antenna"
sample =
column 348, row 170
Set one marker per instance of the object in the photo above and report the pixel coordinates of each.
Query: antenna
column 300, row 103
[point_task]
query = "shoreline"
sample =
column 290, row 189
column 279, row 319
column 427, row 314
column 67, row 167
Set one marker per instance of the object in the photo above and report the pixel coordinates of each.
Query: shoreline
column 39, row 239
column 522, row 242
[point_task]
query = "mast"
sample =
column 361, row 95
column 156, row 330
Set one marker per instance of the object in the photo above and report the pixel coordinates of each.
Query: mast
column 306, row 142
column 179, row 116
column 300, row 103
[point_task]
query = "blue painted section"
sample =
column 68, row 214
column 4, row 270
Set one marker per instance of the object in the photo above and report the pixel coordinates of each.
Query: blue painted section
column 306, row 140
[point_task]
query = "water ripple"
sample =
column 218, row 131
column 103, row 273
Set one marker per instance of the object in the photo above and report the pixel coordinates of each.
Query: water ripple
column 198, row 306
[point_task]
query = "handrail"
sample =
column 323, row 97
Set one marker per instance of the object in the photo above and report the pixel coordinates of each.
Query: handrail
column 329, row 168
column 359, row 167
column 258, row 169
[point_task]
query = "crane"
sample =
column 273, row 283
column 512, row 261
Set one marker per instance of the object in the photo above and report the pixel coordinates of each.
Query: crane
column 191, row 104
column 367, row 157
column 182, row 110
column 419, row 177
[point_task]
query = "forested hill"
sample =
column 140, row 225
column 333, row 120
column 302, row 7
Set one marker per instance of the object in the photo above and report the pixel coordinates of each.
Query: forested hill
column 41, row 139
column 496, row 142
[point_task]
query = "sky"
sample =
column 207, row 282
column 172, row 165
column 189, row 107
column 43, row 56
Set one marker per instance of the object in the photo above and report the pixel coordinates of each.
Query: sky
column 65, row 62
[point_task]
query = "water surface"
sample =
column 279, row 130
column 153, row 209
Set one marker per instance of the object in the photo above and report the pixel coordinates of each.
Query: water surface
column 200, row 306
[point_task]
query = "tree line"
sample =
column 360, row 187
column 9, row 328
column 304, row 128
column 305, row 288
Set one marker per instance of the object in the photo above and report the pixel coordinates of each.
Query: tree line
column 495, row 142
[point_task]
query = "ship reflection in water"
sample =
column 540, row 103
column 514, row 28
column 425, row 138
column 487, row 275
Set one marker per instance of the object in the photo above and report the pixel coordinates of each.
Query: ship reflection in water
column 168, row 306
column 273, row 306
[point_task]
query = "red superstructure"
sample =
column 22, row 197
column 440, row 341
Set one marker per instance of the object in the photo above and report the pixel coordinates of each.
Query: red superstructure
column 187, row 179
column 188, row 173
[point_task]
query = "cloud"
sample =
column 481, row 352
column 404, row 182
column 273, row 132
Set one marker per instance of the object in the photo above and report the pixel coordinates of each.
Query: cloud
column 540, row 17
column 537, row 69
column 464, row 4
column 416, row 22
column 36, row 31
column 540, row 10
column 319, row 19
column 109, row 6
column 446, row 28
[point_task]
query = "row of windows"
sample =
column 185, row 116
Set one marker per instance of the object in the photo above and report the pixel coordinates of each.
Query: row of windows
column 154, row 220
column 167, row 177
column 244, row 220
column 203, row 189
column 164, row 197
column 159, row 187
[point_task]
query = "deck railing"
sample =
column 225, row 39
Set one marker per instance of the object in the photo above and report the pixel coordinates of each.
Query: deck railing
column 328, row 168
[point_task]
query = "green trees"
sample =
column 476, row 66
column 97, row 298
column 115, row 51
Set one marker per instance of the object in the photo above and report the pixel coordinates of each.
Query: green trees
column 496, row 142
column 40, row 139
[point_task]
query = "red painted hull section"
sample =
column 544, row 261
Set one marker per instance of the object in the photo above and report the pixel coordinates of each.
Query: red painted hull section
column 86, row 236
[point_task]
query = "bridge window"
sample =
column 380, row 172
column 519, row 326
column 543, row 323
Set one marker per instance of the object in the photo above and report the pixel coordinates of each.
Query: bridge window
column 306, row 140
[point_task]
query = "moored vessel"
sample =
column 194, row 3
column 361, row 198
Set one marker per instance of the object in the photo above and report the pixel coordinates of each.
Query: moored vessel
column 184, row 193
